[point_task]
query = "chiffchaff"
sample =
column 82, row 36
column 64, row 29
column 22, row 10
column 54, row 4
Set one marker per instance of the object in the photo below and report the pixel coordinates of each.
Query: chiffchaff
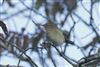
column 54, row 34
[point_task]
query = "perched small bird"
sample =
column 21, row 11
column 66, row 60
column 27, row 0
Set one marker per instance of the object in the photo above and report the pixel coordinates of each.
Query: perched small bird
column 54, row 34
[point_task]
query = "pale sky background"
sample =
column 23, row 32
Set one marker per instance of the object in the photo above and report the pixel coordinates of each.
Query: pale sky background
column 80, row 29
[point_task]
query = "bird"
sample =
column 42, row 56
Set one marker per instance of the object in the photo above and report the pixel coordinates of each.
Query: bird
column 54, row 34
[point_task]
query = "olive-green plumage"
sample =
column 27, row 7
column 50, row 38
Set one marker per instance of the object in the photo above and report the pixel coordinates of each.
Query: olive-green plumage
column 54, row 34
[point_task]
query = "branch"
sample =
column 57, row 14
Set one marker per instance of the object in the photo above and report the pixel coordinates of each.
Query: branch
column 90, row 60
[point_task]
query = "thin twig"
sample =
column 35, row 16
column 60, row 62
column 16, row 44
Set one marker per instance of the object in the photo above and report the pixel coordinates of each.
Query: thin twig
column 23, row 53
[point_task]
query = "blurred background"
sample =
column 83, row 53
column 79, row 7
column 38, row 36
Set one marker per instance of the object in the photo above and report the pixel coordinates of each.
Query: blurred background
column 79, row 20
